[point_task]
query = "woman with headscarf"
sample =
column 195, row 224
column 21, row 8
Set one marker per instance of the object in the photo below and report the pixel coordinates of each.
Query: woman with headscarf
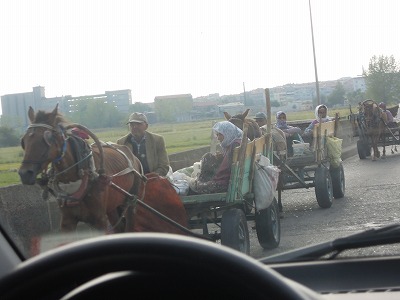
column 291, row 132
column 390, row 120
column 229, row 136
column 321, row 113
column 281, row 123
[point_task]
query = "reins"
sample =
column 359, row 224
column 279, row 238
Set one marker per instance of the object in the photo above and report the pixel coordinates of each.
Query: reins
column 74, row 165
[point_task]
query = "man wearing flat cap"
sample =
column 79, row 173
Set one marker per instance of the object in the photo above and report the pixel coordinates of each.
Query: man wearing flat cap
column 148, row 147
column 261, row 119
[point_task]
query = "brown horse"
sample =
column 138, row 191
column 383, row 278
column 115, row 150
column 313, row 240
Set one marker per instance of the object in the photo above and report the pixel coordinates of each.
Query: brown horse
column 169, row 204
column 371, row 121
column 84, row 177
column 253, row 131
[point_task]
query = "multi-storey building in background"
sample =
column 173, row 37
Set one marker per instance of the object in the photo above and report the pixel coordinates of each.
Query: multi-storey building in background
column 180, row 108
column 15, row 106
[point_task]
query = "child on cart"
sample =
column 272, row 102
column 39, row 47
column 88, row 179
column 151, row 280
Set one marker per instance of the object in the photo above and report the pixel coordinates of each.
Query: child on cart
column 291, row 132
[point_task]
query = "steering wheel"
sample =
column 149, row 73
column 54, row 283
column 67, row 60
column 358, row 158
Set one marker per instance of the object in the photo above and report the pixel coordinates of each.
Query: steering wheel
column 147, row 264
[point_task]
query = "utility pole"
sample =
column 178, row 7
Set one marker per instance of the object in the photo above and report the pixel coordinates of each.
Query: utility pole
column 315, row 60
column 244, row 95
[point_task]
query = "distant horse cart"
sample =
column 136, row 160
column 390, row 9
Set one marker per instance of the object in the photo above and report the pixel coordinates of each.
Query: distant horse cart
column 371, row 126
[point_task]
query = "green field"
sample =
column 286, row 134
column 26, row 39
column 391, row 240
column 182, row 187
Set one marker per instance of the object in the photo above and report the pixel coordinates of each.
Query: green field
column 178, row 137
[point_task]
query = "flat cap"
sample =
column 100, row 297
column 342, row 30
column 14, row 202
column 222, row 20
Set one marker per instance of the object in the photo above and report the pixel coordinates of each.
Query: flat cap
column 137, row 118
column 260, row 115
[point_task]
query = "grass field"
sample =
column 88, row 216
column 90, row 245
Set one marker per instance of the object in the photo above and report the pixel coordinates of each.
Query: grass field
column 178, row 137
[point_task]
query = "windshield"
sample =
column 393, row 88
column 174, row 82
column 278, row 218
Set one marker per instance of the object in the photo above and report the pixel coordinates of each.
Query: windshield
column 266, row 126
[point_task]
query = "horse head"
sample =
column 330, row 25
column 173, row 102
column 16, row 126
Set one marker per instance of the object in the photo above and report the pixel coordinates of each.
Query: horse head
column 371, row 113
column 43, row 142
column 254, row 130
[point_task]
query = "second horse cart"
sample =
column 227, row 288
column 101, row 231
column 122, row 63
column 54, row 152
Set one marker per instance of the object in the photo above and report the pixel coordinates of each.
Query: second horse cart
column 315, row 166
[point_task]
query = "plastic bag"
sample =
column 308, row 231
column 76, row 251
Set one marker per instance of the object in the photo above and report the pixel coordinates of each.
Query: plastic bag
column 181, row 186
column 179, row 180
column 334, row 146
column 265, row 182
column 300, row 147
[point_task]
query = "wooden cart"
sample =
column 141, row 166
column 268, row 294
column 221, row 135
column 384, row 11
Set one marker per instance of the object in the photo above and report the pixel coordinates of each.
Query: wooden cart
column 313, row 168
column 224, row 216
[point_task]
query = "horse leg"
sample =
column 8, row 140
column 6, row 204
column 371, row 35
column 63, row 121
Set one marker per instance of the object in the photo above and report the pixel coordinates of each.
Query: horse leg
column 376, row 152
column 384, row 150
column 101, row 223
column 117, row 220
column 68, row 224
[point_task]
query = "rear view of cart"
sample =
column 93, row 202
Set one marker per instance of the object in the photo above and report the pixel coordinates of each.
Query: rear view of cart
column 315, row 166
column 224, row 216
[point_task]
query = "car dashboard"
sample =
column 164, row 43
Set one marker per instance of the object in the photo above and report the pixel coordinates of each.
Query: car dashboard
column 354, row 278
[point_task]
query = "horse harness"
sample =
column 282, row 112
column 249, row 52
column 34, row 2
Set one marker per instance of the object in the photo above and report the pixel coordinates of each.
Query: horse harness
column 236, row 121
column 372, row 119
column 84, row 163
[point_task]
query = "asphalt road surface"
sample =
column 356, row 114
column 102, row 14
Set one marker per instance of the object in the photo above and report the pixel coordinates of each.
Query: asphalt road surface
column 371, row 199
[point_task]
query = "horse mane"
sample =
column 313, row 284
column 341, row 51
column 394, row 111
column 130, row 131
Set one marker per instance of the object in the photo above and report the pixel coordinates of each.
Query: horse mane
column 43, row 117
column 51, row 118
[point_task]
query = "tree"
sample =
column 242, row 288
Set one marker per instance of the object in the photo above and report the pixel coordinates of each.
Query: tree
column 337, row 95
column 356, row 97
column 8, row 137
column 139, row 107
column 275, row 103
column 97, row 114
column 382, row 79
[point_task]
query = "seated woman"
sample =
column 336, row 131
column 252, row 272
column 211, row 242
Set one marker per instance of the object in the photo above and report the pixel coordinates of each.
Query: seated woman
column 321, row 113
column 229, row 137
column 390, row 120
column 291, row 132
column 281, row 123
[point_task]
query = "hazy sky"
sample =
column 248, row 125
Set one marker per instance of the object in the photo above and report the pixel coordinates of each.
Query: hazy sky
column 168, row 47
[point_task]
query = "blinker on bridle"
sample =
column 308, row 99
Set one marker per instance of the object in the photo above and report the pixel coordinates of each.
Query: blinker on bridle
column 64, row 146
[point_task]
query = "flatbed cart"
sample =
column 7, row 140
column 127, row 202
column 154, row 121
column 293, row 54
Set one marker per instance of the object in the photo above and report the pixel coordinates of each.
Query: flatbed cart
column 224, row 216
column 313, row 168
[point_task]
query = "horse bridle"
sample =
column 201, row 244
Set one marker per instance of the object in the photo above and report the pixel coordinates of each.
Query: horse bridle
column 372, row 119
column 63, row 148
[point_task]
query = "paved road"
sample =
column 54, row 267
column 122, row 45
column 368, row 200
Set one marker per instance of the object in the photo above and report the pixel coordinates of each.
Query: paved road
column 371, row 199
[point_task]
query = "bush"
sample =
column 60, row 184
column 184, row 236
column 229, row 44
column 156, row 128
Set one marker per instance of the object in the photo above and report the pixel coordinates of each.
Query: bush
column 8, row 137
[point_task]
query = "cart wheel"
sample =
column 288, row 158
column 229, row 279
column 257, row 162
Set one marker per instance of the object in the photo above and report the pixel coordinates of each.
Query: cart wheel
column 234, row 230
column 268, row 226
column 362, row 149
column 323, row 187
column 338, row 182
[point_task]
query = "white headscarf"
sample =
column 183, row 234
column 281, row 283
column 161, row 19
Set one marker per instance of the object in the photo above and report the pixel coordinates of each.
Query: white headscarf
column 281, row 124
column 316, row 113
column 230, row 132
